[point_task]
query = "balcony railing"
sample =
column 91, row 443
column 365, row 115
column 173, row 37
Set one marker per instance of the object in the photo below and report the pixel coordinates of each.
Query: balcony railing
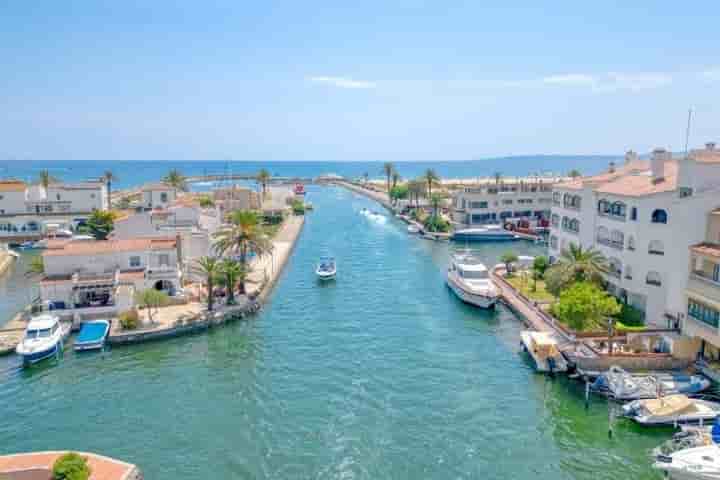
column 613, row 216
column 703, row 277
column 610, row 243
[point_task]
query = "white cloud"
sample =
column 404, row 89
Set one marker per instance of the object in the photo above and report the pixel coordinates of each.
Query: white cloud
column 610, row 82
column 342, row 82
column 571, row 80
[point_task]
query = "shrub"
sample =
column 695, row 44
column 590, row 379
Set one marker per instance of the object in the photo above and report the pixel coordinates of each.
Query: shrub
column 436, row 223
column 585, row 306
column 630, row 316
column 129, row 320
column 298, row 207
column 71, row 466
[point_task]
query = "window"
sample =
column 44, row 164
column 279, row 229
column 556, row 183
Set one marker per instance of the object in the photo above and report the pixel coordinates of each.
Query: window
column 507, row 202
column 555, row 220
column 628, row 272
column 618, row 209
column 164, row 197
column 631, row 243
column 685, row 192
column 92, row 195
column 478, row 204
column 553, row 242
column 656, row 247
column 135, row 261
column 164, row 260
column 57, row 196
column 659, row 216
column 1, row 197
column 556, row 198
column 603, row 235
column 653, row 278
column 633, row 213
column 617, row 239
column 506, row 214
column 703, row 313
column 603, row 207
column 614, row 267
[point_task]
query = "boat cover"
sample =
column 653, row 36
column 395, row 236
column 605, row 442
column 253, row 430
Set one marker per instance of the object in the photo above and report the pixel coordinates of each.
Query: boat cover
column 667, row 406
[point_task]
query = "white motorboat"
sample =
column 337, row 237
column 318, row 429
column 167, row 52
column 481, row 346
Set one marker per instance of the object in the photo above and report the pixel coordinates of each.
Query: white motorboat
column 92, row 335
column 621, row 385
column 326, row 269
column 543, row 349
column 697, row 463
column 486, row 233
column 690, row 436
column 44, row 338
column 412, row 228
column 671, row 410
column 470, row 280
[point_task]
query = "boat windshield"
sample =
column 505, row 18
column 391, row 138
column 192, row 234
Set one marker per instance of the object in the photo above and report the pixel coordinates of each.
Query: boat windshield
column 42, row 333
column 473, row 275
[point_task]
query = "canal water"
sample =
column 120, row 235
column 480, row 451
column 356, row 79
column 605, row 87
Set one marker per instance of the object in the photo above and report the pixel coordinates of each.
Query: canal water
column 380, row 374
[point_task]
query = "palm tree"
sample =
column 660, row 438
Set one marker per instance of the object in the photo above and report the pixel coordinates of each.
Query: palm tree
column 263, row 177
column 45, row 178
column 430, row 178
column 244, row 234
column 582, row 264
column 209, row 268
column 508, row 258
column 388, row 169
column 108, row 177
column 574, row 173
column 416, row 188
column 435, row 200
column 232, row 271
column 176, row 179
column 36, row 267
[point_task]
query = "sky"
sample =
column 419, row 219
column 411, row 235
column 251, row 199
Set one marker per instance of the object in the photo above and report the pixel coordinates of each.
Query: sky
column 372, row 80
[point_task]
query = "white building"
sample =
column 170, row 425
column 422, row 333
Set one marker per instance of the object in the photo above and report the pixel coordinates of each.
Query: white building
column 503, row 200
column 158, row 195
column 101, row 277
column 30, row 211
column 643, row 216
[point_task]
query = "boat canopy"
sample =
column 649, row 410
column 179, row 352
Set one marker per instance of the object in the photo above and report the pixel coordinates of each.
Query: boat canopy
column 667, row 406
column 42, row 322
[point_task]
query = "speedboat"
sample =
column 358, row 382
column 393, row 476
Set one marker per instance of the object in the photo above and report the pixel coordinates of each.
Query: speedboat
column 92, row 335
column 486, row 233
column 30, row 245
column 412, row 228
column 470, row 280
column 326, row 269
column 689, row 437
column 44, row 338
column 543, row 349
column 621, row 385
column 671, row 410
column 698, row 463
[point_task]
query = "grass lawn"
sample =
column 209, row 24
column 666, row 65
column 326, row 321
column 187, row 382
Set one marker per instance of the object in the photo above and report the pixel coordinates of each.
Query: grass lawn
column 525, row 287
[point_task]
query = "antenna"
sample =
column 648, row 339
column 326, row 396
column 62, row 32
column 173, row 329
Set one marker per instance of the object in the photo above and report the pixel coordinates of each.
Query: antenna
column 687, row 132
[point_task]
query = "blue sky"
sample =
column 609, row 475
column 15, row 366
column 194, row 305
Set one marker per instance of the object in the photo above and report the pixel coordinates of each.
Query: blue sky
column 372, row 80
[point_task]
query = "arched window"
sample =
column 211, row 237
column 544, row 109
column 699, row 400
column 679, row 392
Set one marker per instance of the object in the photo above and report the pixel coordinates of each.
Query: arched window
column 656, row 247
column 603, row 235
column 653, row 278
column 33, row 226
column 574, row 225
column 631, row 242
column 659, row 216
column 628, row 272
column 617, row 209
column 617, row 238
column 614, row 267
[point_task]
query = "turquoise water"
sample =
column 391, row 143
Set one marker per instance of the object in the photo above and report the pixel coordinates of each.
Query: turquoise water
column 381, row 374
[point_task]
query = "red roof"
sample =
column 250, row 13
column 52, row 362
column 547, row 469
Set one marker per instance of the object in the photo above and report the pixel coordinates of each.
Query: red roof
column 108, row 246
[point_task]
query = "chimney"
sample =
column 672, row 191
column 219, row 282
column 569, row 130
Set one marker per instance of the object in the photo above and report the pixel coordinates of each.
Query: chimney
column 657, row 164
column 710, row 146
column 630, row 156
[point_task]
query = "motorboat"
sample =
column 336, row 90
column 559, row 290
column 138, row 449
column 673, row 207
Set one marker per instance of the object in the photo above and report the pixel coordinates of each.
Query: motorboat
column 470, row 280
column 92, row 335
column 691, row 436
column 30, row 245
column 413, row 229
column 543, row 350
column 486, row 233
column 671, row 410
column 326, row 269
column 698, row 463
column 621, row 385
column 44, row 338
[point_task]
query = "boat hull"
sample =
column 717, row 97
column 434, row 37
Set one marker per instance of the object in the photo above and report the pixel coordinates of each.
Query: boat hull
column 481, row 301
column 540, row 365
column 93, row 338
column 30, row 358
column 459, row 237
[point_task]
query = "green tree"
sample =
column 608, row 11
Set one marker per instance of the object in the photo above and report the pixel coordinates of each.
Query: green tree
column 100, row 224
column 206, row 202
column 430, row 178
column 209, row 269
column 231, row 271
column 71, row 466
column 416, row 188
column 584, row 306
column 45, row 179
column 176, row 179
column 36, row 267
column 574, row 173
column 244, row 234
column 540, row 265
column 109, row 177
column 151, row 299
column 398, row 192
column 388, row 169
column 435, row 201
column 576, row 264
column 508, row 258
column 263, row 177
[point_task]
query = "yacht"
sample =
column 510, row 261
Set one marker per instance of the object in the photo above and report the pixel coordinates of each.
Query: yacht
column 671, row 410
column 486, row 233
column 470, row 280
column 698, row 463
column 543, row 349
column 326, row 269
column 44, row 338
column 621, row 385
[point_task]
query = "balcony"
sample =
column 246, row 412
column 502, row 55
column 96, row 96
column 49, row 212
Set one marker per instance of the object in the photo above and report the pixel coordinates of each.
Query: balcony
column 617, row 245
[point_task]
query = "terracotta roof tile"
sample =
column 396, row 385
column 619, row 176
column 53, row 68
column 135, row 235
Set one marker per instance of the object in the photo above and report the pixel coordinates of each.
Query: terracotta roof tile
column 706, row 248
column 109, row 246
column 12, row 186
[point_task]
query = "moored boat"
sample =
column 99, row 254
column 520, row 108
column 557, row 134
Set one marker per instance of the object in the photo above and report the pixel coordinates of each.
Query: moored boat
column 326, row 269
column 412, row 228
column 621, row 385
column 487, row 233
column 469, row 279
column 671, row 410
column 44, row 338
column 697, row 463
column 92, row 335
column 543, row 350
